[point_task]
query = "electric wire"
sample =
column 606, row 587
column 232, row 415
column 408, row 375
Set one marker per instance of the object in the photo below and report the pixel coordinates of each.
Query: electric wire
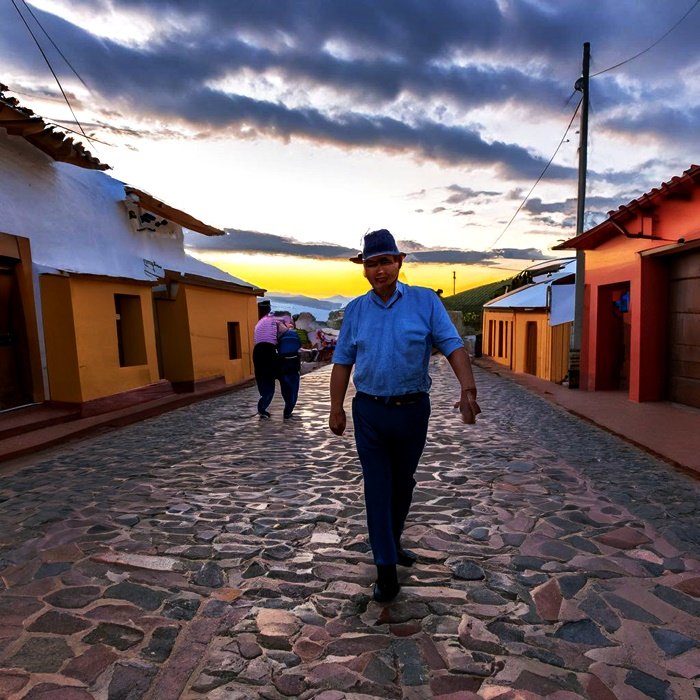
column 546, row 167
column 649, row 48
column 53, row 43
column 61, row 124
column 48, row 63
column 593, row 75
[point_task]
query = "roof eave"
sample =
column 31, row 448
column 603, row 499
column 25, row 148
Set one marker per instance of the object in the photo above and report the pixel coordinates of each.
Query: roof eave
column 156, row 206
column 22, row 122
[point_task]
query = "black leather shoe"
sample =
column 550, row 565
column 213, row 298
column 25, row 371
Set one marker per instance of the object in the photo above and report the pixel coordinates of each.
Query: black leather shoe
column 384, row 595
column 405, row 557
column 387, row 586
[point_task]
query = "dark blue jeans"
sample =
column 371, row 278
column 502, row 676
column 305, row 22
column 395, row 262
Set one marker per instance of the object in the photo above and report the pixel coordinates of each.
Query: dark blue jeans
column 289, row 384
column 265, row 364
column 390, row 441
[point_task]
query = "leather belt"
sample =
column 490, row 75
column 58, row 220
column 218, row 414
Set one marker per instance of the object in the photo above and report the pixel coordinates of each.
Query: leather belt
column 401, row 400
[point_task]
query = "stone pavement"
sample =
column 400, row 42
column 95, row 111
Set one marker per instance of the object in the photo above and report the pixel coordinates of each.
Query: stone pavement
column 208, row 554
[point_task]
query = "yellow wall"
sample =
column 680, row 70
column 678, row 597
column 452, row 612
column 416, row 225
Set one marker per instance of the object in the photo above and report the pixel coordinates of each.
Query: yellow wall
column 490, row 334
column 59, row 338
column 81, row 338
column 552, row 342
column 520, row 342
column 209, row 311
column 561, row 340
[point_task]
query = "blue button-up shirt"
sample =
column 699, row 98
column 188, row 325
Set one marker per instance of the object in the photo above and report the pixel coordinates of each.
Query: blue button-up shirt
column 390, row 343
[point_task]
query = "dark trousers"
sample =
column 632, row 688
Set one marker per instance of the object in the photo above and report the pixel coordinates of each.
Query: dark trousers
column 265, row 365
column 289, row 384
column 390, row 441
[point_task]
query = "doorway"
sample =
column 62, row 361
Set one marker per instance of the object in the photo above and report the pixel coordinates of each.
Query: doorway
column 613, row 342
column 15, row 372
column 531, row 347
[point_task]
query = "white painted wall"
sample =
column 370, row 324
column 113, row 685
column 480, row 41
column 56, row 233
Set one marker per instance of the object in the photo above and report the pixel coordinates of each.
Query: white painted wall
column 76, row 221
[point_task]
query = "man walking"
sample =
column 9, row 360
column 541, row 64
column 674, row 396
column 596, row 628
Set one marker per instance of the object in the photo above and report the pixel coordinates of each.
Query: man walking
column 288, row 347
column 388, row 335
column 265, row 361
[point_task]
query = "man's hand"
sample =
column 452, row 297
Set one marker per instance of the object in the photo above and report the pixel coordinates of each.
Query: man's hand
column 337, row 421
column 468, row 407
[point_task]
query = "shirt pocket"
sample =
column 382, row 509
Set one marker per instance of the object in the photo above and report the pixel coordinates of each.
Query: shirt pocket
column 412, row 335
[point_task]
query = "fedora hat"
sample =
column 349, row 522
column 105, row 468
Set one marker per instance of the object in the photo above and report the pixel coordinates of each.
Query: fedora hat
column 377, row 243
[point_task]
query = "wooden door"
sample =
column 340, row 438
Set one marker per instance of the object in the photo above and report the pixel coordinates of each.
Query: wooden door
column 684, row 330
column 531, row 347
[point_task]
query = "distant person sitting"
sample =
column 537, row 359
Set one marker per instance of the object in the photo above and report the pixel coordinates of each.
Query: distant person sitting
column 288, row 348
column 326, row 345
column 265, row 361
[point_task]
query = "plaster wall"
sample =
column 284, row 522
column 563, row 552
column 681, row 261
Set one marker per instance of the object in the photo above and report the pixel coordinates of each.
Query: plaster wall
column 81, row 338
column 76, row 220
column 618, row 262
column 552, row 343
column 209, row 312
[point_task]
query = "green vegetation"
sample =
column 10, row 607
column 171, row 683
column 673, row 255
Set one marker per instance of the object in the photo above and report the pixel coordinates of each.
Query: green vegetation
column 471, row 302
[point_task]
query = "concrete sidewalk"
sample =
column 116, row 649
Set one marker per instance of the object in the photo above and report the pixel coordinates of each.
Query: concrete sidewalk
column 667, row 430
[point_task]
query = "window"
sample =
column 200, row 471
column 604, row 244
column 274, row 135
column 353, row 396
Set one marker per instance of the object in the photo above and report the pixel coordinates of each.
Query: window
column 130, row 337
column 234, row 340
column 500, row 339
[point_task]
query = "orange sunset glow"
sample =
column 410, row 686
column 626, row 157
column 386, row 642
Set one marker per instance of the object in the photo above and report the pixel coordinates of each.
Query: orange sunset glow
column 323, row 278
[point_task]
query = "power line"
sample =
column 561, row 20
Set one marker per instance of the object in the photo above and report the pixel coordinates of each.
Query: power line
column 48, row 63
column 546, row 167
column 649, row 48
column 61, row 124
column 53, row 43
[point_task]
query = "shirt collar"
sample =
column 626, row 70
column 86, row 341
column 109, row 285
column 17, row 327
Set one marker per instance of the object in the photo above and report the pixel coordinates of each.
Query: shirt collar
column 398, row 293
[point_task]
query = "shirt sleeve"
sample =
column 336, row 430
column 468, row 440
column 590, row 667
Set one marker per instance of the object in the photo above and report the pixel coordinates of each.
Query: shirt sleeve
column 445, row 336
column 345, row 351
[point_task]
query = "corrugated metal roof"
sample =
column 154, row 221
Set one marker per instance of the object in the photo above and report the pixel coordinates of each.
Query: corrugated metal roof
column 531, row 296
column 534, row 295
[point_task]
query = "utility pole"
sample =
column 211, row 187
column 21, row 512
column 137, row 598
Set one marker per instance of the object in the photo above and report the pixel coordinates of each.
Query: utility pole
column 454, row 282
column 576, row 340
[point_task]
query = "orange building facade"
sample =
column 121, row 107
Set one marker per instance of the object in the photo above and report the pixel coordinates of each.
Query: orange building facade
column 641, row 318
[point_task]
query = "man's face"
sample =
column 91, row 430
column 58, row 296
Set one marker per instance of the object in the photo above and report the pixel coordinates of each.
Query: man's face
column 382, row 272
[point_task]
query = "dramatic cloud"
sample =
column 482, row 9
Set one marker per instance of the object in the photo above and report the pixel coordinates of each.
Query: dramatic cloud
column 256, row 242
column 395, row 75
column 523, row 254
column 459, row 195
column 468, row 98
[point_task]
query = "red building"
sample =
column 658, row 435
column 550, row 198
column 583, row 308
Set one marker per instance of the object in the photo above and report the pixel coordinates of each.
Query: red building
column 641, row 322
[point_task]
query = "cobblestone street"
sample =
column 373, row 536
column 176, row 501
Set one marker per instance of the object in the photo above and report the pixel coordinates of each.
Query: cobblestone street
column 209, row 554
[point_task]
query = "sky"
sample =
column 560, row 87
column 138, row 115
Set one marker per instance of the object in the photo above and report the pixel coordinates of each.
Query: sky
column 299, row 125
